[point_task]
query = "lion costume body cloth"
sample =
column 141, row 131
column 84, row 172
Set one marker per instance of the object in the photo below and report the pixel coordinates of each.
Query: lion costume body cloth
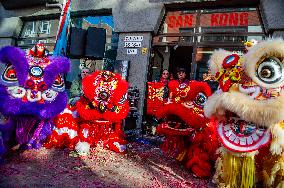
column 97, row 116
column 32, row 93
column 189, row 136
column 249, row 107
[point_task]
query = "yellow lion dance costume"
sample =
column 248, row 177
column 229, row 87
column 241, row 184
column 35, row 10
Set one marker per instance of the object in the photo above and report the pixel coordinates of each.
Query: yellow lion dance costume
column 249, row 108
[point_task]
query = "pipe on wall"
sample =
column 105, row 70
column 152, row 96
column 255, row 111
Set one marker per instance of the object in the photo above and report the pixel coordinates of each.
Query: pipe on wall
column 54, row 5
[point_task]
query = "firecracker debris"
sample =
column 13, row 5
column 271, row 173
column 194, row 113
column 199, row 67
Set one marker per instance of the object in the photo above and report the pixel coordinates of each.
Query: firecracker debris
column 144, row 165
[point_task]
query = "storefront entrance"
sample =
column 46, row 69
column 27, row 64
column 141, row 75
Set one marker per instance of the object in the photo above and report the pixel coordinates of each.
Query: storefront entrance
column 187, row 38
column 170, row 58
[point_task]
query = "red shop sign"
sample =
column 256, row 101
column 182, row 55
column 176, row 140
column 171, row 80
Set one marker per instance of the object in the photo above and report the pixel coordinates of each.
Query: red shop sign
column 230, row 19
column 185, row 20
column 177, row 20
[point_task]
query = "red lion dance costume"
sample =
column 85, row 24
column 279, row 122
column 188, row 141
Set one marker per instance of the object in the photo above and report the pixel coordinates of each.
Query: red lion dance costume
column 190, row 137
column 96, row 117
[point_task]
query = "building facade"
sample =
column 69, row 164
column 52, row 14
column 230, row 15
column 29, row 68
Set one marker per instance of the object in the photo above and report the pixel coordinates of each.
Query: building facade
column 150, row 34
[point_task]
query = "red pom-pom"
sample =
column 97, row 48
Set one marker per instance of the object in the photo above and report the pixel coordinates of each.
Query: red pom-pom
column 42, row 86
column 30, row 84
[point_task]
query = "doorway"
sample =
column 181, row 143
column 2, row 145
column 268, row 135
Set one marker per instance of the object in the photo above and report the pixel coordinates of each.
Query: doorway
column 163, row 57
column 170, row 58
column 180, row 57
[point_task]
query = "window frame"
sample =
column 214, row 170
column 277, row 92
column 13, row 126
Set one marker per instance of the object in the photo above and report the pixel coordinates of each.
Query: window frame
column 47, row 30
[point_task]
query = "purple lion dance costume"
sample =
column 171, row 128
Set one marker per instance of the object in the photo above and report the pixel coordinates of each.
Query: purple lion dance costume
column 32, row 93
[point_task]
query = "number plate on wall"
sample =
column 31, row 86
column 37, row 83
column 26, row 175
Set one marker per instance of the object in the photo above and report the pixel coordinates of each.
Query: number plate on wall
column 132, row 44
column 131, row 51
column 133, row 38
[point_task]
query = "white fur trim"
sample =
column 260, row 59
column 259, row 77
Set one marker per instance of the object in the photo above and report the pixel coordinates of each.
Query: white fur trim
column 71, row 133
column 49, row 95
column 83, row 148
column 37, row 96
column 216, row 60
column 261, row 112
column 277, row 144
column 85, row 133
column 66, row 111
column 14, row 91
column 254, row 91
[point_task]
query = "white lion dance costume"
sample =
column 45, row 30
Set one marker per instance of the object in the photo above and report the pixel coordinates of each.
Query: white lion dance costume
column 249, row 108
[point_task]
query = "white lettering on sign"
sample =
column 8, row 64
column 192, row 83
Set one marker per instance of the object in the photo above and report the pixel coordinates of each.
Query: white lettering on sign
column 133, row 38
column 132, row 44
column 131, row 51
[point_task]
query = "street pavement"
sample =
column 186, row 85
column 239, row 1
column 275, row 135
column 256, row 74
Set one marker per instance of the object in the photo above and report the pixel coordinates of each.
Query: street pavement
column 143, row 166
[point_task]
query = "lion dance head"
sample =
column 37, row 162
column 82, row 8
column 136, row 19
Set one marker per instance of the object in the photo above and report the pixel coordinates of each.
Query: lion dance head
column 32, row 92
column 190, row 137
column 97, row 116
column 249, row 106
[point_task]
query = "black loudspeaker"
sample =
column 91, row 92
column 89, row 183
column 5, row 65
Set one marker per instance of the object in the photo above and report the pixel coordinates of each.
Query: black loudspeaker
column 95, row 45
column 77, row 42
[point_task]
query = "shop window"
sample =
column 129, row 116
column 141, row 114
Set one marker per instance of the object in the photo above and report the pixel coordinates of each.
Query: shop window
column 30, row 29
column 38, row 31
column 225, row 25
column 45, row 27
column 105, row 22
column 208, row 37
column 111, row 46
column 204, row 29
column 201, row 29
column 186, row 38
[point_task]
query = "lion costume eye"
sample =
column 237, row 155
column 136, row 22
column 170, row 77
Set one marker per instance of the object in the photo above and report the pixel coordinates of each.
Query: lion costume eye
column 200, row 99
column 9, row 74
column 270, row 70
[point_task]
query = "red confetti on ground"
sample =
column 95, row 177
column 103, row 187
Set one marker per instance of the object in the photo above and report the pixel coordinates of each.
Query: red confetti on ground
column 142, row 166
